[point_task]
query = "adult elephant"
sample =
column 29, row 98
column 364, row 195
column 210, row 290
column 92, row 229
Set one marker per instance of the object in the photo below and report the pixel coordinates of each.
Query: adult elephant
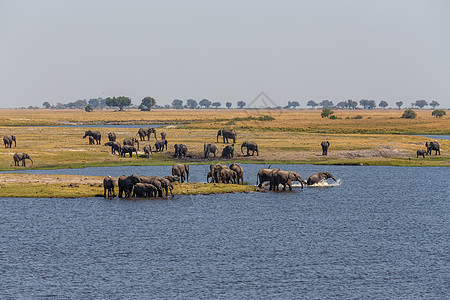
column 112, row 137
column 126, row 184
column 155, row 181
column 250, row 147
column 264, row 175
column 108, row 185
column 115, row 146
column 209, row 148
column 239, row 172
column 182, row 171
column 142, row 189
column 130, row 141
column 325, row 145
column 227, row 175
column 433, row 146
column 227, row 134
column 180, row 150
column 95, row 134
column 228, row 151
column 159, row 145
column 285, row 178
column 21, row 157
column 8, row 139
column 128, row 149
column 146, row 132
column 321, row 176
column 215, row 170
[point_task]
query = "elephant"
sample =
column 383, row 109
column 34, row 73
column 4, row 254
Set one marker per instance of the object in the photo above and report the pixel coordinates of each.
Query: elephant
column 95, row 134
column 264, row 175
column 227, row 134
column 147, row 150
column 159, row 145
column 166, row 185
column 112, row 137
column 422, row 153
column 172, row 178
column 321, row 176
column 21, row 157
column 433, row 146
column 227, row 175
column 130, row 141
column 126, row 184
column 250, row 147
column 209, row 148
column 239, row 172
column 8, row 139
column 155, row 181
column 146, row 132
column 228, row 151
column 285, row 178
column 142, row 189
column 215, row 172
column 180, row 150
column 208, row 176
column 115, row 146
column 91, row 140
column 163, row 135
column 325, row 146
column 182, row 171
column 108, row 185
column 128, row 149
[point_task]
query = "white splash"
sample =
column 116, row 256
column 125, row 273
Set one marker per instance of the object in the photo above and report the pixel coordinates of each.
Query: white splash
column 325, row 183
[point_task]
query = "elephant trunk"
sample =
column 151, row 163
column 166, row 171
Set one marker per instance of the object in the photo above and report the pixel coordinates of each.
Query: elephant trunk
column 242, row 146
column 217, row 137
column 333, row 178
column 31, row 161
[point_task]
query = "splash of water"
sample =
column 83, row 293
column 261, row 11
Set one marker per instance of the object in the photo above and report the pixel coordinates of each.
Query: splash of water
column 325, row 183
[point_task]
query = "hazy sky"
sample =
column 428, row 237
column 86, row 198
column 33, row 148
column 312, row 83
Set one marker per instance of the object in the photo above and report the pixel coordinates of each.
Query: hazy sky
column 61, row 51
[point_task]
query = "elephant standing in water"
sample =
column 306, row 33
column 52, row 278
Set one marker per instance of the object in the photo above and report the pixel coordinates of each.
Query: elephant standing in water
column 264, row 175
column 112, row 137
column 8, row 139
column 182, row 171
column 321, row 176
column 21, row 157
column 325, row 146
column 108, row 185
column 156, row 181
column 250, row 147
column 126, row 184
column 227, row 134
column 209, row 148
column 146, row 132
column 95, row 134
column 285, row 178
column 239, row 172
column 433, row 146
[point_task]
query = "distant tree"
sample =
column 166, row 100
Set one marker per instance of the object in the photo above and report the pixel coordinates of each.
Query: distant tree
column 147, row 104
column 433, row 104
column 312, row 103
column 119, row 102
column 241, row 104
column 409, row 114
column 228, row 104
column 177, row 103
column 94, row 103
column 399, row 104
column 216, row 104
column 438, row 113
column 205, row 103
column 342, row 104
column 88, row 108
column 368, row 104
column 60, row 105
column 326, row 113
column 421, row 103
column 383, row 104
column 352, row 104
column 326, row 103
column 293, row 104
column 191, row 103
column 46, row 105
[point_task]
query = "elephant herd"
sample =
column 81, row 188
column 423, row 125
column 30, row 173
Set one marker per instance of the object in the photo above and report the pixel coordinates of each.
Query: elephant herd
column 431, row 146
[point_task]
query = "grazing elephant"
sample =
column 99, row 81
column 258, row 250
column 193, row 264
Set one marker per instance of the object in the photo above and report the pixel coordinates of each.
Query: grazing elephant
column 250, row 147
column 147, row 150
column 433, row 146
column 239, row 172
column 182, row 171
column 112, row 137
column 115, row 146
column 159, row 145
column 130, row 141
column 172, row 178
column 8, row 139
column 163, row 135
column 227, row 134
column 228, row 151
column 180, row 150
column 155, row 181
column 108, row 185
column 21, row 157
column 422, row 153
column 91, row 140
column 142, row 189
column 128, row 149
column 264, row 175
column 209, row 148
column 321, row 176
column 285, row 178
column 126, row 184
column 95, row 134
column 325, row 146
column 146, row 132
column 227, row 175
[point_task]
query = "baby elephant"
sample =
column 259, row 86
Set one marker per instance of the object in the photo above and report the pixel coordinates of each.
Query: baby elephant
column 21, row 157
column 108, row 185
column 422, row 153
column 321, row 176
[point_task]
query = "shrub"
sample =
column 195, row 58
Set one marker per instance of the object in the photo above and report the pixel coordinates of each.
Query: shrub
column 409, row 114
column 357, row 117
column 333, row 117
column 438, row 113
column 326, row 113
column 88, row 108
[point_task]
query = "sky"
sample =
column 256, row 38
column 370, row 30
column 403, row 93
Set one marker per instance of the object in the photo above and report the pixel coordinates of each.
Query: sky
column 63, row 51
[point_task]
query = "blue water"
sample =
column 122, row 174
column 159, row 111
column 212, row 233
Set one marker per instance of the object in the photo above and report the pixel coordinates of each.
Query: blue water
column 443, row 137
column 109, row 125
column 384, row 233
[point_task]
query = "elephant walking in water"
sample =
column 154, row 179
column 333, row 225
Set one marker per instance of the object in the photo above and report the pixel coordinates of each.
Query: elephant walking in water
column 8, row 139
column 227, row 134
column 321, row 176
column 325, row 145
column 285, row 178
column 250, row 147
column 239, row 172
column 126, row 184
column 108, row 185
column 95, row 134
column 181, row 171
column 21, row 157
column 264, row 175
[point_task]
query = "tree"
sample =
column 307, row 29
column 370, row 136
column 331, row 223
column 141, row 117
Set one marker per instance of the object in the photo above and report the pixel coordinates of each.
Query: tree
column 342, row 104
column 177, row 103
column 433, row 104
column 311, row 103
column 46, row 105
column 352, row 104
column 293, row 104
column 399, row 104
column 368, row 104
column 383, row 104
column 147, row 104
column 216, row 104
column 228, row 104
column 205, row 102
column 241, row 104
column 409, row 114
column 326, row 113
column 120, row 102
column 191, row 103
column 421, row 103
column 438, row 113
column 94, row 103
column 88, row 108
column 326, row 103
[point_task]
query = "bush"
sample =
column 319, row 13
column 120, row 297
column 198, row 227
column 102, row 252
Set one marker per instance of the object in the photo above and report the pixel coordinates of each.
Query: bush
column 438, row 113
column 326, row 113
column 88, row 108
column 409, row 114
column 358, row 117
column 333, row 117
